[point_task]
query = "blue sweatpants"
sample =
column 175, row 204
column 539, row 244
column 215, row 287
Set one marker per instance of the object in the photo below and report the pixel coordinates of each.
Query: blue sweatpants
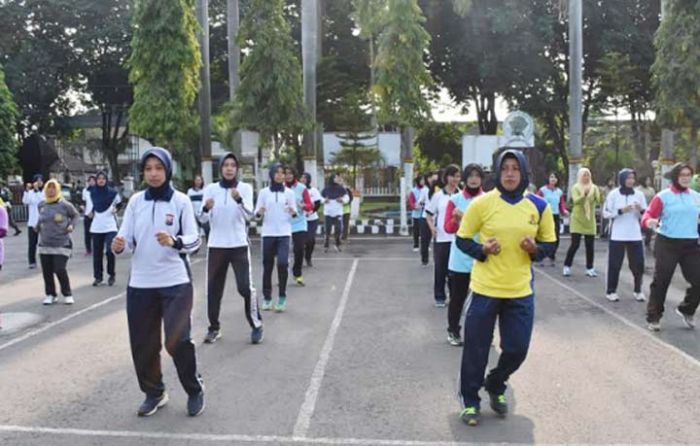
column 515, row 320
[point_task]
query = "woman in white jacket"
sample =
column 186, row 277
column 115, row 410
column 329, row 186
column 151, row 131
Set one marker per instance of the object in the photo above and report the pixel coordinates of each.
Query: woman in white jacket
column 160, row 230
column 624, row 206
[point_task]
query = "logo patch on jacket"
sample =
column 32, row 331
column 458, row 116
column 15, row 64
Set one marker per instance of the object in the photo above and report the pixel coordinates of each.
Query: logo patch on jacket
column 533, row 219
column 169, row 219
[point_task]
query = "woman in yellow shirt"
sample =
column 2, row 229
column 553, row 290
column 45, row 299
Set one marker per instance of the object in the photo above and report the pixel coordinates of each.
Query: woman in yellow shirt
column 514, row 229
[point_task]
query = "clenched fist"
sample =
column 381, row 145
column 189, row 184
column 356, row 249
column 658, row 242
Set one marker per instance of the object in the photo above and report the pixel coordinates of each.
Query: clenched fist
column 118, row 244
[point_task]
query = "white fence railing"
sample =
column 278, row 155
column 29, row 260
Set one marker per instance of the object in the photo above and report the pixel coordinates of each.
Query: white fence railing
column 380, row 192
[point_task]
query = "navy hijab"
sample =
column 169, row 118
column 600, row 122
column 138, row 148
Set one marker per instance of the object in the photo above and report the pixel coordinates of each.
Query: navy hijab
column 275, row 187
column 334, row 190
column 102, row 196
column 515, row 196
column 165, row 191
column 622, row 178
column 228, row 184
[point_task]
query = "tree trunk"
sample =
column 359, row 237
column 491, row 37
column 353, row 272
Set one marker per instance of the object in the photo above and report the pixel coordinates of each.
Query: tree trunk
column 694, row 146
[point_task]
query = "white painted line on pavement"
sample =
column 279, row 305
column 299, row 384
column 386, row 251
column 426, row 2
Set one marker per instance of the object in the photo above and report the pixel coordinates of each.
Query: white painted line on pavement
column 230, row 438
column 377, row 259
column 622, row 319
column 301, row 427
column 67, row 318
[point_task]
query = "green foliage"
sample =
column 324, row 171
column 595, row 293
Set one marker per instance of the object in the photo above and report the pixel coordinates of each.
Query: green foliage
column 102, row 39
column 39, row 62
column 164, row 69
column 8, row 119
column 269, row 99
column 677, row 68
column 402, row 77
column 440, row 143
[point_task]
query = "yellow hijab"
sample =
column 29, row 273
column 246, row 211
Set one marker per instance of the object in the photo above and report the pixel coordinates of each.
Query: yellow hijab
column 586, row 188
column 57, row 185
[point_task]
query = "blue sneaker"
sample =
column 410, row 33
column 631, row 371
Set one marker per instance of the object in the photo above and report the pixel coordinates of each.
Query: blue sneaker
column 281, row 304
column 256, row 336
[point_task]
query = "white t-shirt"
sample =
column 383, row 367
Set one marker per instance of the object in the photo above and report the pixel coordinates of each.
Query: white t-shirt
column 625, row 227
column 86, row 197
column 315, row 196
column 103, row 222
column 437, row 207
column 278, row 216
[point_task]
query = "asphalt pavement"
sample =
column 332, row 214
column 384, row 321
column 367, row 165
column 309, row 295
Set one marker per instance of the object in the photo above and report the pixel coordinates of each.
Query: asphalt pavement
column 359, row 358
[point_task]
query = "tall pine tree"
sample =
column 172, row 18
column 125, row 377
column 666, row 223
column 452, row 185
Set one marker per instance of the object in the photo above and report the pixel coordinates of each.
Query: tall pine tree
column 164, row 69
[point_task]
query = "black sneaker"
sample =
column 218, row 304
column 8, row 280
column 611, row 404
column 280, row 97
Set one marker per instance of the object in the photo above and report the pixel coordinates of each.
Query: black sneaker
column 256, row 336
column 499, row 404
column 195, row 404
column 97, row 282
column 309, row 263
column 212, row 336
column 470, row 415
column 111, row 281
column 151, row 405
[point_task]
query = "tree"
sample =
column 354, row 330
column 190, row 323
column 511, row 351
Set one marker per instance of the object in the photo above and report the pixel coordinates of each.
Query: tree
column 164, row 70
column 344, row 67
column 35, row 49
column 475, row 54
column 8, row 119
column 269, row 99
column 358, row 150
column 441, row 143
column 102, row 42
column 402, row 77
column 676, row 72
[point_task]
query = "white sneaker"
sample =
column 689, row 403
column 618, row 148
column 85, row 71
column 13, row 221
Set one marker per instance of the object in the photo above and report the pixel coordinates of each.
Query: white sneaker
column 688, row 320
column 68, row 300
column 591, row 273
column 640, row 297
column 415, row 249
column 566, row 271
column 50, row 300
column 612, row 297
column 654, row 326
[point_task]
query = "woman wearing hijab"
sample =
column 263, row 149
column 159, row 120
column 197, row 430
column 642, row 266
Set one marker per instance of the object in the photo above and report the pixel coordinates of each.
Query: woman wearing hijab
column 586, row 196
column 554, row 197
column 673, row 213
column 87, row 220
column 299, row 224
column 514, row 229
column 159, row 229
column 102, row 207
column 276, row 206
column 312, row 218
column 57, row 219
column 624, row 207
column 460, row 264
column 227, row 207
column 334, row 196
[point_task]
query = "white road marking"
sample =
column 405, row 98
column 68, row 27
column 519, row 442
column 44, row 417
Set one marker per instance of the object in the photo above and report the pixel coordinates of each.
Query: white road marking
column 301, row 427
column 67, row 318
column 622, row 319
column 230, row 438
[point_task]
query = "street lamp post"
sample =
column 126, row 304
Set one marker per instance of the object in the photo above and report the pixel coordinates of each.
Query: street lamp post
column 575, row 89
column 205, row 92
